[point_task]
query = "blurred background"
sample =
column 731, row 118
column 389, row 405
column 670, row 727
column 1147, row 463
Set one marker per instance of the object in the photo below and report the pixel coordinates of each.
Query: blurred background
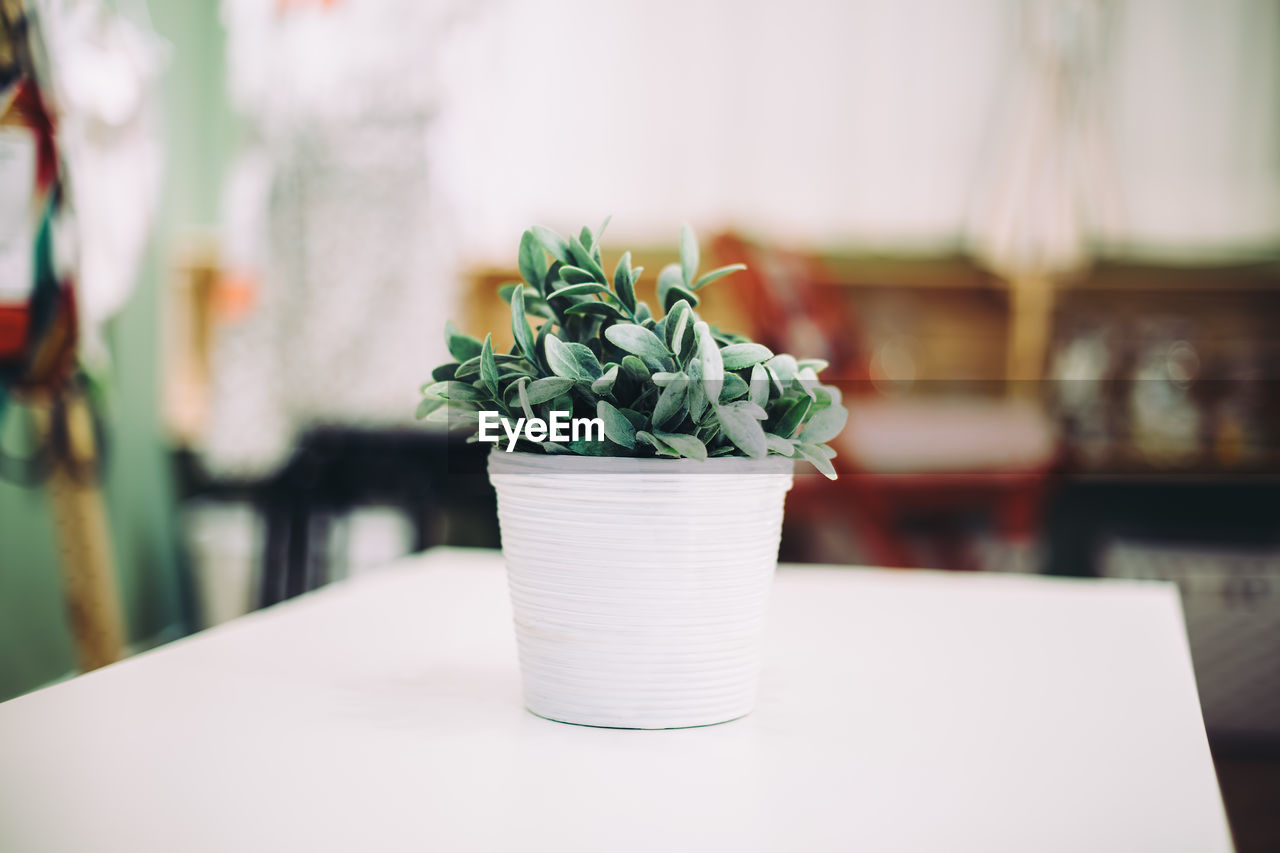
column 1038, row 241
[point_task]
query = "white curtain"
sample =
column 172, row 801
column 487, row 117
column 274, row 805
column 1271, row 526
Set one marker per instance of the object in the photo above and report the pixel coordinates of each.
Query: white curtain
column 867, row 122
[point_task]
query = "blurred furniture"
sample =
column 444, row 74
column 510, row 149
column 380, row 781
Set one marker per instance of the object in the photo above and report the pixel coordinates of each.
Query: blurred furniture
column 952, row 462
column 1231, row 599
column 1218, row 538
column 1198, row 336
column 948, row 712
column 432, row 478
column 333, row 469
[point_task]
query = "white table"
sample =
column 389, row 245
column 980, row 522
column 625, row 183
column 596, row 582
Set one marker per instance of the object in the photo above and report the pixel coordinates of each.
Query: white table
column 898, row 711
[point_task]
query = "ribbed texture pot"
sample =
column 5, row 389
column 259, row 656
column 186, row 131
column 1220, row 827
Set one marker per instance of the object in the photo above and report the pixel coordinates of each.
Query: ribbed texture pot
column 639, row 586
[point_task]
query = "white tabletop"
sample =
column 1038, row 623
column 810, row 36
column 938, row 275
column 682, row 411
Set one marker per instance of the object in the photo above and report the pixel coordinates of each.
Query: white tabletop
column 899, row 711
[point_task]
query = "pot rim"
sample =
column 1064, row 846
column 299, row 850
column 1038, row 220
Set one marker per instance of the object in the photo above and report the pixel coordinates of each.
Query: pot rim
column 525, row 462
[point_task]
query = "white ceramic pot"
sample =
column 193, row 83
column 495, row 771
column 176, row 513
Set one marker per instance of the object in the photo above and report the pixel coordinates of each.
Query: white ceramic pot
column 639, row 586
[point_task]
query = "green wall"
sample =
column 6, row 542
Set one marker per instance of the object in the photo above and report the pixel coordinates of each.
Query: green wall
column 35, row 646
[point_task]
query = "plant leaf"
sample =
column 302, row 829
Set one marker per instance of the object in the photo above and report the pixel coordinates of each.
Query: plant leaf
column 709, row 356
column 825, row 425
column 555, row 245
column 590, row 242
column 522, row 389
column 616, row 426
column 636, row 340
column 678, row 327
column 738, row 356
column 429, row 405
column 779, row 445
column 634, row 371
column 678, row 294
column 604, row 384
column 532, row 260
column 440, row 415
column 743, row 429
column 534, row 304
column 489, row 367
column 552, row 278
column 688, row 256
column 463, row 392
column 671, row 403
column 758, row 390
column 520, row 325
column 696, row 398
column 829, row 394
column 669, row 277
column 659, row 445
column 808, row 381
column 445, row 372
column 539, row 344
column 542, row 390
column 813, row 455
column 817, row 364
column 587, row 360
column 637, row 419
column 512, row 369
column 585, row 289
column 589, row 448
column 783, row 369
column 458, row 419
column 623, row 284
column 533, row 301
column 792, row 417
column 561, row 360
column 717, row 274
column 586, row 260
column 686, row 445
column 595, row 309
column 734, row 387
column 576, row 275
column 461, row 346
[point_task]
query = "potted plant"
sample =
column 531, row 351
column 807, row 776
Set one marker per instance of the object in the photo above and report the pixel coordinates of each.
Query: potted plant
column 641, row 463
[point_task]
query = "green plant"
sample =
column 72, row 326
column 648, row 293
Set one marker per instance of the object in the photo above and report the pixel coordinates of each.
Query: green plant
column 670, row 386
